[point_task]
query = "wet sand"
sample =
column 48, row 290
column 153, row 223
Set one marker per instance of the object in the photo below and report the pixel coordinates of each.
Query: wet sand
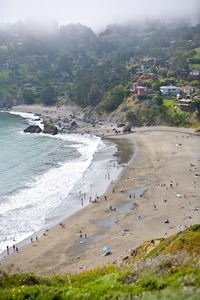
column 159, row 184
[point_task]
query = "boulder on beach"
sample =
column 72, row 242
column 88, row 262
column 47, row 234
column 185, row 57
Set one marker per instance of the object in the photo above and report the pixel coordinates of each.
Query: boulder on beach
column 33, row 129
column 127, row 129
column 49, row 127
column 73, row 125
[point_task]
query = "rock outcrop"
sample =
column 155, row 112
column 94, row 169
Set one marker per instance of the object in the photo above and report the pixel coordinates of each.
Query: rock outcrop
column 33, row 129
column 127, row 129
column 73, row 125
column 49, row 127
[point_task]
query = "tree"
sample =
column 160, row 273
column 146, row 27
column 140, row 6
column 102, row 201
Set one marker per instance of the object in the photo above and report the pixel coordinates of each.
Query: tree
column 196, row 107
column 131, row 117
column 114, row 98
column 157, row 100
column 133, row 68
column 153, row 69
column 95, row 94
column 28, row 96
column 180, row 65
column 48, row 95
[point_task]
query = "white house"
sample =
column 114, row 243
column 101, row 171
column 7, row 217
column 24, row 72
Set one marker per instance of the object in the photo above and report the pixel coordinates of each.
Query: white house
column 195, row 74
column 170, row 90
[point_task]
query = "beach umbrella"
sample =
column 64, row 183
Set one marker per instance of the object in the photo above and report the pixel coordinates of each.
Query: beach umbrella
column 106, row 249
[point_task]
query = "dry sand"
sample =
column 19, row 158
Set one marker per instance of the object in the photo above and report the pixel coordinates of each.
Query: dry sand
column 163, row 156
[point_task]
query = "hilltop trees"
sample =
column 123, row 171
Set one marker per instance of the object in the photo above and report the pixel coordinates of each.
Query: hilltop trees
column 48, row 95
column 98, row 70
column 113, row 98
column 28, row 96
column 196, row 107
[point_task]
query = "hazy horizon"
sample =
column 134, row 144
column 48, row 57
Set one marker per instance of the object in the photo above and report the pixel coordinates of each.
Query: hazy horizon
column 97, row 14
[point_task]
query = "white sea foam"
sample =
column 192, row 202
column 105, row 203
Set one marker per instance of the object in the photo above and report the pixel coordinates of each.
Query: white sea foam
column 29, row 117
column 55, row 192
column 25, row 213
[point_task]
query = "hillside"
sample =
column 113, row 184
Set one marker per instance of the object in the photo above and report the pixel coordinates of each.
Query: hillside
column 72, row 64
column 159, row 269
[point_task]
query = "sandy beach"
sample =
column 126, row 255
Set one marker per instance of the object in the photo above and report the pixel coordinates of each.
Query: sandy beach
column 156, row 195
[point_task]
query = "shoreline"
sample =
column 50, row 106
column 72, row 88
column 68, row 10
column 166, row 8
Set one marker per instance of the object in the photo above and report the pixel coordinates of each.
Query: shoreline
column 158, row 163
column 101, row 189
column 122, row 156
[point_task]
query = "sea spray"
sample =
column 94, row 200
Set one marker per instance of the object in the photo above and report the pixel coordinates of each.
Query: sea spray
column 51, row 191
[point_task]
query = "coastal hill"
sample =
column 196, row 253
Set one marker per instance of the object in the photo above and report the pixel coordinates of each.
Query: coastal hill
column 144, row 73
column 158, row 269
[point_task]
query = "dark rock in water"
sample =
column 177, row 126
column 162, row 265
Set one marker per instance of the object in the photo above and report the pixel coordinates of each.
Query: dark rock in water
column 33, row 129
column 49, row 127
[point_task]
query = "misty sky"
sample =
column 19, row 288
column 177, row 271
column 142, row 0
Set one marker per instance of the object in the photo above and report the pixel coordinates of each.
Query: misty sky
column 97, row 13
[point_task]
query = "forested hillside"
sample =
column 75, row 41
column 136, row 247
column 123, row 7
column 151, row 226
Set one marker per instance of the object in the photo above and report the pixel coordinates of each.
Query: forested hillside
column 54, row 65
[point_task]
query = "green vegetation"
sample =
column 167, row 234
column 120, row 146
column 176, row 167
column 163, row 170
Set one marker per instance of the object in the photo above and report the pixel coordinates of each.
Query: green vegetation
column 169, row 271
column 73, row 64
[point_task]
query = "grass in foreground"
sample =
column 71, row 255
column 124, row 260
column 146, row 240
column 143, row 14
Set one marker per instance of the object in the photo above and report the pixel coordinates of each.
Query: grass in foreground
column 170, row 271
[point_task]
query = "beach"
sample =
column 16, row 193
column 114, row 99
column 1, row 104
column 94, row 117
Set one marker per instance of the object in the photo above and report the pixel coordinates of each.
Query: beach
column 156, row 195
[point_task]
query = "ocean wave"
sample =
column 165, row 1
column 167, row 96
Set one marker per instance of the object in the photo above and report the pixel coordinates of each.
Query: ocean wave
column 54, row 193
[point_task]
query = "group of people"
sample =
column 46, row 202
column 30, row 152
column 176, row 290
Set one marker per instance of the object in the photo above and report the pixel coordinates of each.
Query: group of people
column 36, row 239
column 14, row 249
column 81, row 235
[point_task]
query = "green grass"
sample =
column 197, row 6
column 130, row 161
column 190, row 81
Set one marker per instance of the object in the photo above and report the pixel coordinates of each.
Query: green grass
column 153, row 276
column 194, row 67
column 170, row 102
column 177, row 117
column 197, row 50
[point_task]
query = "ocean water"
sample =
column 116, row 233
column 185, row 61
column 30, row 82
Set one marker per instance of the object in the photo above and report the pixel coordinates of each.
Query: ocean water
column 43, row 178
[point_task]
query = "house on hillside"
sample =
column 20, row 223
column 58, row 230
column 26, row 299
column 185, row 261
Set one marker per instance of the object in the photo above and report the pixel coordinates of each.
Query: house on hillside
column 147, row 76
column 188, row 90
column 170, row 90
column 146, row 62
column 185, row 104
column 139, row 90
column 195, row 74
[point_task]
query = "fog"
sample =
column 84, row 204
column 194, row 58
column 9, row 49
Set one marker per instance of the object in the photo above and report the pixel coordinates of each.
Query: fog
column 98, row 13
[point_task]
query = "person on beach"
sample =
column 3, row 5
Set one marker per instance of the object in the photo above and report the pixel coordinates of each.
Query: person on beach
column 81, row 236
column 7, row 250
column 82, row 201
column 14, row 248
column 31, row 239
column 17, row 250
